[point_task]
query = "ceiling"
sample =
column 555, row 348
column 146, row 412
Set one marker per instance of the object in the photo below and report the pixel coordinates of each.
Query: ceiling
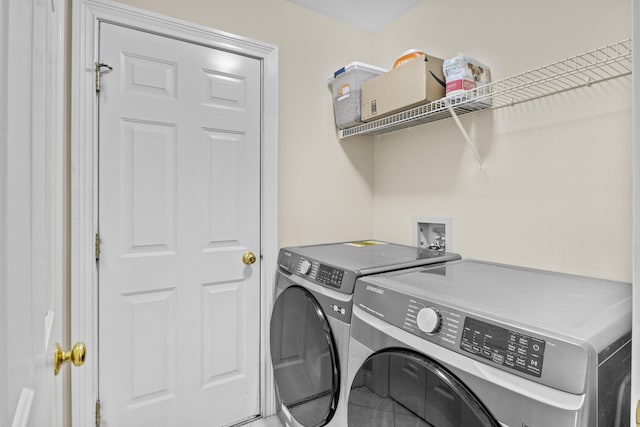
column 369, row 15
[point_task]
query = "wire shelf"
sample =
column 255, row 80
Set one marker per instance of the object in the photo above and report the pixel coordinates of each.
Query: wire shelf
column 591, row 67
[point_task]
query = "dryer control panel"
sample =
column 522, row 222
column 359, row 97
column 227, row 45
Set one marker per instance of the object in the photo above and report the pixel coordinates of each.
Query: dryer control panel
column 316, row 272
column 319, row 273
column 330, row 276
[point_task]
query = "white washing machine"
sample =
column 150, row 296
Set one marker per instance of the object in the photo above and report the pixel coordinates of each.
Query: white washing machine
column 477, row 344
column 310, row 322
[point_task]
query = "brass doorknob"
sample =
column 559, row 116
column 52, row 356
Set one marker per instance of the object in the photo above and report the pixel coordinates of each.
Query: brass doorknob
column 76, row 355
column 248, row 258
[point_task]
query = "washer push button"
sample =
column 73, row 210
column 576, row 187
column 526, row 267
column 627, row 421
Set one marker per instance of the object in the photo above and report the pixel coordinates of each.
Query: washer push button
column 533, row 365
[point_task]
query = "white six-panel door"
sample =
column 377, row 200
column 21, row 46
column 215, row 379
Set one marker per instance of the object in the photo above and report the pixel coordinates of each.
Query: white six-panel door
column 31, row 211
column 179, row 205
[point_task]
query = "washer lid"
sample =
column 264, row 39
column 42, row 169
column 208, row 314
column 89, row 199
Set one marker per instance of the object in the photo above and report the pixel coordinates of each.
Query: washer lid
column 593, row 310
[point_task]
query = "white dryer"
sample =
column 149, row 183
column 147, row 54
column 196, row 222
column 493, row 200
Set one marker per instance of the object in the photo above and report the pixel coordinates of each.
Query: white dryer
column 477, row 344
column 311, row 318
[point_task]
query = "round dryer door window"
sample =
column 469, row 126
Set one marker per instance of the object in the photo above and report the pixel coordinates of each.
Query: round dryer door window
column 304, row 358
column 401, row 387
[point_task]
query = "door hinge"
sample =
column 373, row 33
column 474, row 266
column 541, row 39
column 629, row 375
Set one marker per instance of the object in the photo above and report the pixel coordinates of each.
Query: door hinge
column 98, row 69
column 97, row 246
column 98, row 415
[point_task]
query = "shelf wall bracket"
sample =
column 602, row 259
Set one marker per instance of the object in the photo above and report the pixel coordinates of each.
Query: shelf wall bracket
column 467, row 138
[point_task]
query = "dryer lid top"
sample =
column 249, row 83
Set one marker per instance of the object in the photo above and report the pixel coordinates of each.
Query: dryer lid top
column 371, row 256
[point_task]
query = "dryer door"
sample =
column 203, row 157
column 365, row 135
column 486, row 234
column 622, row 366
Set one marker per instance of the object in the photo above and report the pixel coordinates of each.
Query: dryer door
column 408, row 388
column 304, row 357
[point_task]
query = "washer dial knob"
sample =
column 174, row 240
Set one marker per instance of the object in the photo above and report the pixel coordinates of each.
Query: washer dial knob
column 429, row 320
column 305, row 267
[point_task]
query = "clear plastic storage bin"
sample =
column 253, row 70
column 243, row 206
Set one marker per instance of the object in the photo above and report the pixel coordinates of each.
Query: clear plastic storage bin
column 346, row 84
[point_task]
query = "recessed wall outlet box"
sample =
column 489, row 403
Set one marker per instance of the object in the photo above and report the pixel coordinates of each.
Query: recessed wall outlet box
column 433, row 233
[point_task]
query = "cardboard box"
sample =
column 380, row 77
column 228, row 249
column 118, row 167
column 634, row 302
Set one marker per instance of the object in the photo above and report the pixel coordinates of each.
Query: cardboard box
column 416, row 82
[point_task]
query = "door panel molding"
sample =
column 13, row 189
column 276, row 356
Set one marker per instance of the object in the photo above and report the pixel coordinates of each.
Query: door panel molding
column 87, row 14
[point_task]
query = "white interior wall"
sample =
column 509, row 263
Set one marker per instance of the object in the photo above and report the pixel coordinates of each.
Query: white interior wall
column 556, row 193
column 325, row 185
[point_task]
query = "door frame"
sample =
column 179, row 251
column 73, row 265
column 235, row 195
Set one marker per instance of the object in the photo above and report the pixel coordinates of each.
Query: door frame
column 4, row 120
column 635, row 242
column 87, row 14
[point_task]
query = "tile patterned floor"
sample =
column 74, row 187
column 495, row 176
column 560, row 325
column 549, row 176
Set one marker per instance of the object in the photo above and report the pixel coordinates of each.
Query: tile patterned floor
column 273, row 421
column 368, row 410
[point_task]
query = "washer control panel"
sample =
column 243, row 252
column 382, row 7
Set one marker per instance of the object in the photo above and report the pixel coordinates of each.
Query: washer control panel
column 454, row 329
column 507, row 348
